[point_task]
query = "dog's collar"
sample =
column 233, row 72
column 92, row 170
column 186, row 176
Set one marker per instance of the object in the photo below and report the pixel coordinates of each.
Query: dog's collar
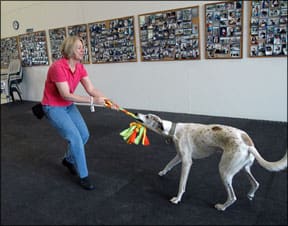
column 172, row 130
column 169, row 137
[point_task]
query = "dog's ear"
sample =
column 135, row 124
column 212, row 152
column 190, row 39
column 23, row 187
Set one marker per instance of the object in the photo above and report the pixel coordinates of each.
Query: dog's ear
column 160, row 126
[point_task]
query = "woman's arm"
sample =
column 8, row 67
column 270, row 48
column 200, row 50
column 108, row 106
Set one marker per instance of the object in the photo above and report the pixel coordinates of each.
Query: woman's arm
column 63, row 89
column 98, row 96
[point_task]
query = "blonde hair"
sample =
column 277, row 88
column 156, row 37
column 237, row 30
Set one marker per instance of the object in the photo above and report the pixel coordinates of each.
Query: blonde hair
column 69, row 45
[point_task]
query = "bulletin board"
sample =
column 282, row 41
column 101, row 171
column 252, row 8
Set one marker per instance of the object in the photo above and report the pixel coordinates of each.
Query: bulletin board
column 268, row 28
column 33, row 48
column 224, row 30
column 56, row 36
column 82, row 32
column 113, row 41
column 9, row 50
column 170, row 35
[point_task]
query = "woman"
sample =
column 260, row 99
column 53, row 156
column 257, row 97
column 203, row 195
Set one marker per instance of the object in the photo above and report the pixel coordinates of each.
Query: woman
column 63, row 77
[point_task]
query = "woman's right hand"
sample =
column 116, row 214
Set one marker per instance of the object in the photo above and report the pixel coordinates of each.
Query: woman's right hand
column 99, row 100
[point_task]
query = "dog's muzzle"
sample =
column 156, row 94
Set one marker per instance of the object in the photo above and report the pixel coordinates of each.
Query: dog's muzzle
column 137, row 118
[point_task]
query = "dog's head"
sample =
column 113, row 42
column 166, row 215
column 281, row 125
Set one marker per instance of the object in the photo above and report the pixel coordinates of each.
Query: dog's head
column 151, row 121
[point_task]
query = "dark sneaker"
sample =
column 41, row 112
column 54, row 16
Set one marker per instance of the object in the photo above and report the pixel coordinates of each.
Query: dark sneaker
column 70, row 166
column 86, row 184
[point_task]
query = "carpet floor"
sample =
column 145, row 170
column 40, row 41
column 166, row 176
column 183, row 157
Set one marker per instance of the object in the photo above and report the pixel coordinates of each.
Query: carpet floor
column 37, row 190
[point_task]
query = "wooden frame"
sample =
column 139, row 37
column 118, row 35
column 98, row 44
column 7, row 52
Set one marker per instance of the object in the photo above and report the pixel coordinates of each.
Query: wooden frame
column 33, row 48
column 81, row 31
column 56, row 36
column 9, row 50
column 113, row 41
column 268, row 28
column 170, row 35
column 223, row 30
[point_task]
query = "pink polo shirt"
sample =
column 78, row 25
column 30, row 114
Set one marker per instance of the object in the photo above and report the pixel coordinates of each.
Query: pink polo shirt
column 59, row 71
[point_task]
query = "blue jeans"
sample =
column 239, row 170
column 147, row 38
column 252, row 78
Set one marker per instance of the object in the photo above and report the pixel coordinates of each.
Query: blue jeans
column 71, row 126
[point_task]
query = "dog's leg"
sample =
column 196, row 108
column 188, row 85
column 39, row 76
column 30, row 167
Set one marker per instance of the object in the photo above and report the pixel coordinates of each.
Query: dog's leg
column 170, row 165
column 227, row 181
column 254, row 183
column 229, row 165
column 185, row 169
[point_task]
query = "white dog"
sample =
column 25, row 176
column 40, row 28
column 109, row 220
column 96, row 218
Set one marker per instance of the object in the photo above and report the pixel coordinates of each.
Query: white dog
column 196, row 141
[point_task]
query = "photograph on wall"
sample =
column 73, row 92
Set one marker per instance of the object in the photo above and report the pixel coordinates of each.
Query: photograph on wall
column 113, row 41
column 223, row 30
column 9, row 50
column 56, row 36
column 33, row 48
column 170, row 35
column 82, row 32
column 268, row 28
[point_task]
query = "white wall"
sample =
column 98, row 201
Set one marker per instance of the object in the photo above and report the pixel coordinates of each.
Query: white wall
column 254, row 88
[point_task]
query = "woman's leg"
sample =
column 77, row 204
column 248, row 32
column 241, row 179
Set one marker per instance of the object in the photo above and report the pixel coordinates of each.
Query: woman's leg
column 60, row 118
column 79, row 122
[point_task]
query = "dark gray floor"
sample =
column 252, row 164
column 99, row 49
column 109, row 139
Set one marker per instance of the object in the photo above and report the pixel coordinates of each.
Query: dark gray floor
column 37, row 190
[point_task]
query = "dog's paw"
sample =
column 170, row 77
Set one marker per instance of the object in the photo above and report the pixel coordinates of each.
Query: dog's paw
column 175, row 200
column 162, row 173
column 251, row 193
column 250, row 196
column 220, row 207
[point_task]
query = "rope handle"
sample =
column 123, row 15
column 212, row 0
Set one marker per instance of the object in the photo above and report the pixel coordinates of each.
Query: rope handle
column 109, row 104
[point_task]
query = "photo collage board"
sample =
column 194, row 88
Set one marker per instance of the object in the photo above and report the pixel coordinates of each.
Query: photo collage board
column 113, row 41
column 223, row 31
column 33, row 49
column 56, row 36
column 268, row 28
column 170, row 35
column 9, row 50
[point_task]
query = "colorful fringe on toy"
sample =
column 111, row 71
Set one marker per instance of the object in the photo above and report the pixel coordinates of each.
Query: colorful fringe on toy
column 136, row 133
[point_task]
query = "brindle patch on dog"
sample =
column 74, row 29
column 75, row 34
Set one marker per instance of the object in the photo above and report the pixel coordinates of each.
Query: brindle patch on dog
column 247, row 140
column 216, row 128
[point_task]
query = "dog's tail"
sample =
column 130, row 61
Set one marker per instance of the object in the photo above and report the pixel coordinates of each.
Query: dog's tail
column 271, row 166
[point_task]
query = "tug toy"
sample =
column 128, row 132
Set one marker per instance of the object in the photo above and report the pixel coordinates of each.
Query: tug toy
column 136, row 132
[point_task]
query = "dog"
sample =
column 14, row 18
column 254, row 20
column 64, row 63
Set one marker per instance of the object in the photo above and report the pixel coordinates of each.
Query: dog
column 196, row 141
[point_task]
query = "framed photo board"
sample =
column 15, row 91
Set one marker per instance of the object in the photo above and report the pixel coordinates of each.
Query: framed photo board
column 82, row 32
column 33, row 48
column 113, row 41
column 56, row 37
column 170, row 35
column 224, row 30
column 9, row 50
column 268, row 28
